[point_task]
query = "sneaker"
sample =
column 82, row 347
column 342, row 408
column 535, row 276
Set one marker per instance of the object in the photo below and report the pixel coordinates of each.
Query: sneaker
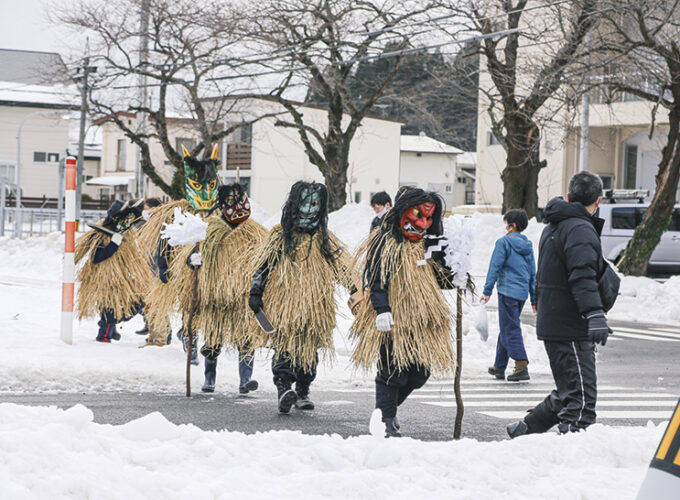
column 143, row 331
column 565, row 428
column 521, row 372
column 391, row 430
column 517, row 429
column 103, row 339
column 249, row 386
column 287, row 396
column 115, row 336
column 304, row 403
column 499, row 374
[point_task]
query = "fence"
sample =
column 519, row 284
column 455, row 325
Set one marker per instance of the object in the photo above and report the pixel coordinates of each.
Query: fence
column 38, row 221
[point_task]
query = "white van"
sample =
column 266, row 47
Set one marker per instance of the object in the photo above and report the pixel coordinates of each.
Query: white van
column 622, row 217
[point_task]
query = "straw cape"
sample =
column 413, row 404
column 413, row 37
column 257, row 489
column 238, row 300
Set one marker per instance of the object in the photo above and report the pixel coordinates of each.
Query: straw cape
column 116, row 283
column 158, row 304
column 222, row 312
column 422, row 318
column 300, row 295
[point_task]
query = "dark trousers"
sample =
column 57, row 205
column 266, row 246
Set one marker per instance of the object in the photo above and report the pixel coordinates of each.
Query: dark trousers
column 245, row 361
column 283, row 369
column 510, row 343
column 573, row 400
column 392, row 386
column 107, row 322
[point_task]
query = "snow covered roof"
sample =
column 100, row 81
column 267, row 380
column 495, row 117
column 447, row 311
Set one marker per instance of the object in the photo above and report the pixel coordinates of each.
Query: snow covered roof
column 32, row 67
column 111, row 180
column 58, row 95
column 424, row 144
column 467, row 159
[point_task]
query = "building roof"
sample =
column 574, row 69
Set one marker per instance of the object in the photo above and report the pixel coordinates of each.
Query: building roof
column 36, row 68
column 467, row 159
column 424, row 144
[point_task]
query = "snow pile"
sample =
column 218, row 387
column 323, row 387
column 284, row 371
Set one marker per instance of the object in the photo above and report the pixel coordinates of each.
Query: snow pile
column 186, row 229
column 459, row 233
column 351, row 223
column 647, row 300
column 52, row 453
column 40, row 257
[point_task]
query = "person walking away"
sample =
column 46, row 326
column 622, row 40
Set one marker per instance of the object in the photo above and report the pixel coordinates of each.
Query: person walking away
column 574, row 288
column 513, row 270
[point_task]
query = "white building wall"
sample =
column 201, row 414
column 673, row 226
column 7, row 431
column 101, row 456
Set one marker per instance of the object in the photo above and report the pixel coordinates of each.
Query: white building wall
column 44, row 133
column 432, row 172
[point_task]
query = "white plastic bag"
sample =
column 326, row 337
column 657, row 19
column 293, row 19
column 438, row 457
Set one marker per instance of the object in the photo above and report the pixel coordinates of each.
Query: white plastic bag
column 482, row 322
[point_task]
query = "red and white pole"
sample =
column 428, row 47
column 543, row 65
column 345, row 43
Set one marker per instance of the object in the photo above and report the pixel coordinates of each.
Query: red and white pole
column 67, row 288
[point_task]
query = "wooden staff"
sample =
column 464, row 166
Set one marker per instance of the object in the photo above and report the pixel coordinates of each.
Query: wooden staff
column 190, row 330
column 459, row 366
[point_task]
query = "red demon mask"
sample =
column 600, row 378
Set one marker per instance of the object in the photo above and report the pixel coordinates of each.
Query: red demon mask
column 415, row 221
column 236, row 206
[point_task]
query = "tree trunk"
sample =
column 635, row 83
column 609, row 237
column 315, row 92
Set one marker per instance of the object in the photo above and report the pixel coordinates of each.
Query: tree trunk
column 520, row 176
column 335, row 177
column 648, row 234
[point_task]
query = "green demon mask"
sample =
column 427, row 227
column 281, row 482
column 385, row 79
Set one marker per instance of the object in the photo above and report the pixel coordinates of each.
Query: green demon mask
column 310, row 206
column 201, row 180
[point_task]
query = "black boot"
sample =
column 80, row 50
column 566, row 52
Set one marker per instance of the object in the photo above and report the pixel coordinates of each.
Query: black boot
column 210, row 374
column 143, row 331
column 303, row 402
column 287, row 396
column 391, row 430
column 499, row 374
column 517, row 429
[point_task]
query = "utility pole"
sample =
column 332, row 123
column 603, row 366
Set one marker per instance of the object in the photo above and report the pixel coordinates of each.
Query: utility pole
column 84, row 92
column 143, row 94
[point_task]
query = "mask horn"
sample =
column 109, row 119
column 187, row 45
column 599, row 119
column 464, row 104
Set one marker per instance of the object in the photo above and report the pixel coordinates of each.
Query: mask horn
column 213, row 155
column 185, row 152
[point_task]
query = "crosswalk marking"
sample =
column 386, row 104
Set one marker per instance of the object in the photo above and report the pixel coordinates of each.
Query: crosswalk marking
column 601, row 415
column 531, row 404
column 525, row 394
column 661, row 333
column 644, row 337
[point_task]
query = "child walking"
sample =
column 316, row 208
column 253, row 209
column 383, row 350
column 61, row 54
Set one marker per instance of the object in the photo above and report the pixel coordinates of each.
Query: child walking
column 513, row 267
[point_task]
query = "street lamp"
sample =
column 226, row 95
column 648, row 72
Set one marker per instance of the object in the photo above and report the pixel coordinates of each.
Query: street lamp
column 19, row 215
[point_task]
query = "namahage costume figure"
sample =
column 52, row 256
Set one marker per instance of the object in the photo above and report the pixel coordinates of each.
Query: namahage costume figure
column 224, row 266
column 406, row 323
column 294, row 283
column 200, row 198
column 113, row 277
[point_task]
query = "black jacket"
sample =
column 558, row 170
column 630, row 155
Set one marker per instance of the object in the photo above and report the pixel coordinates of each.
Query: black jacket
column 569, row 264
column 377, row 220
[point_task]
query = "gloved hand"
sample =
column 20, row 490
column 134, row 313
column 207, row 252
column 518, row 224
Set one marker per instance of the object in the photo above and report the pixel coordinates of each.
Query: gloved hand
column 195, row 259
column 117, row 239
column 598, row 329
column 255, row 302
column 384, row 322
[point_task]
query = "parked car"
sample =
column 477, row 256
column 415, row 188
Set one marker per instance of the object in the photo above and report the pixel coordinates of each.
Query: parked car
column 622, row 217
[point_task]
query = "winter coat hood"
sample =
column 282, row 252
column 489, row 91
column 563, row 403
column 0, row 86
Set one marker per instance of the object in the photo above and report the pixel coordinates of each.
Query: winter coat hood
column 559, row 209
column 519, row 243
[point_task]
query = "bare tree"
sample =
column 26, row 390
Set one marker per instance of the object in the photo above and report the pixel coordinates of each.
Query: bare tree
column 529, row 50
column 643, row 35
column 190, row 44
column 323, row 41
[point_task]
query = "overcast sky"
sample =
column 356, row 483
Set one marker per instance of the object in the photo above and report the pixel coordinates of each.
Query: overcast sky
column 23, row 25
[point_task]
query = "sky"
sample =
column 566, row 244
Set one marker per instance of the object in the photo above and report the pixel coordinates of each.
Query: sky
column 24, row 25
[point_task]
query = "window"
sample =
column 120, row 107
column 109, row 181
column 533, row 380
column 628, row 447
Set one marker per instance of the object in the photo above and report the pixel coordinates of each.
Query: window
column 8, row 171
column 607, row 181
column 357, row 197
column 247, row 133
column 120, row 156
column 627, row 217
column 448, row 188
column 39, row 156
column 52, row 157
column 630, row 166
column 190, row 144
column 493, row 141
column 675, row 221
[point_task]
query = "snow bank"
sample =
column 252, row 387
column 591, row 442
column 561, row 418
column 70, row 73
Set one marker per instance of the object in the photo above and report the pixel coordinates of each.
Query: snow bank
column 52, row 453
column 647, row 300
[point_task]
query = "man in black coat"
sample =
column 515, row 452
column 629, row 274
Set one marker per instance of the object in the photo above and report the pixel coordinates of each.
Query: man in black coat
column 571, row 319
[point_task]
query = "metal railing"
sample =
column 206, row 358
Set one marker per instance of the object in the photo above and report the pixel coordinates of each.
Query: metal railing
column 39, row 221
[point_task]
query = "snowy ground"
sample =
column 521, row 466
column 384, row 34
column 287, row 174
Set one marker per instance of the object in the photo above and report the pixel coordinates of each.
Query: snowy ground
column 152, row 457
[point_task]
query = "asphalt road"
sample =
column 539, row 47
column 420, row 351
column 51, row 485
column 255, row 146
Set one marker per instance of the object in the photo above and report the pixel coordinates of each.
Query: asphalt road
column 638, row 371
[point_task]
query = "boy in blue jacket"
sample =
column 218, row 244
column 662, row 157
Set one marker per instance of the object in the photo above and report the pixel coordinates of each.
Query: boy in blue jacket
column 513, row 267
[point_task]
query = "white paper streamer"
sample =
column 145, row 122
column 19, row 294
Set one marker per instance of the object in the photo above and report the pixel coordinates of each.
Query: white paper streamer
column 187, row 229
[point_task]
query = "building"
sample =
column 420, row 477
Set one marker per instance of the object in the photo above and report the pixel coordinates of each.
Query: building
column 267, row 158
column 36, row 103
column 435, row 166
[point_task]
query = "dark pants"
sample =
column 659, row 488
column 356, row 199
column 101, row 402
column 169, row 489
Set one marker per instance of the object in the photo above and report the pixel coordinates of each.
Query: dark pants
column 245, row 361
column 392, row 387
column 510, row 343
column 573, row 401
column 283, row 369
column 107, row 323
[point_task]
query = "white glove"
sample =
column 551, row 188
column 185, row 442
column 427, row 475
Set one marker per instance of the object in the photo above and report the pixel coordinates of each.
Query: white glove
column 117, row 239
column 196, row 260
column 384, row 322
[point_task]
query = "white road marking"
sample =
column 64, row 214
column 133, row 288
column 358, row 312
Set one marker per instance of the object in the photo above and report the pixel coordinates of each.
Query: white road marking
column 644, row 337
column 530, row 404
column 659, row 333
column 601, row 415
column 525, row 394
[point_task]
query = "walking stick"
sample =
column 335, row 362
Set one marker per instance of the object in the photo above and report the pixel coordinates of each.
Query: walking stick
column 459, row 366
column 190, row 330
